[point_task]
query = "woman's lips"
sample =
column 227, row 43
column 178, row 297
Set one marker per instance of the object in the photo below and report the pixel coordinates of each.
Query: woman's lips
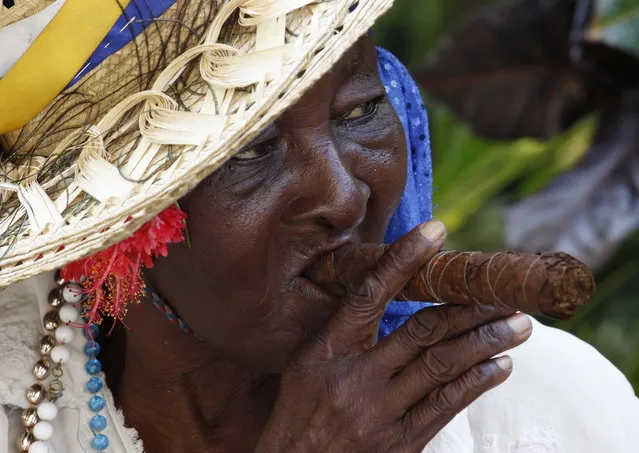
column 303, row 284
column 310, row 290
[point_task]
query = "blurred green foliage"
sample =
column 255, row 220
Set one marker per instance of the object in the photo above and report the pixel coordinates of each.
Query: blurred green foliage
column 475, row 179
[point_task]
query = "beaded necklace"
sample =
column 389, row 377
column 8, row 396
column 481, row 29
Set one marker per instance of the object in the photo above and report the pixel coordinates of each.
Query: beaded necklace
column 60, row 324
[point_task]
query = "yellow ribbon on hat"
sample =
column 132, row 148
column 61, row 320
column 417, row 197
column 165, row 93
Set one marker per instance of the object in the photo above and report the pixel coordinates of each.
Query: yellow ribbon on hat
column 54, row 59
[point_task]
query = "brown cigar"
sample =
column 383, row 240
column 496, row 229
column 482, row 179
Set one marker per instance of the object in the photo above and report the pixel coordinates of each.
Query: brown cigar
column 551, row 284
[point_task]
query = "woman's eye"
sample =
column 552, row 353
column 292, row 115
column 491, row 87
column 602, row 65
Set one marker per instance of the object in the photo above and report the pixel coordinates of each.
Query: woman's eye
column 362, row 110
column 253, row 153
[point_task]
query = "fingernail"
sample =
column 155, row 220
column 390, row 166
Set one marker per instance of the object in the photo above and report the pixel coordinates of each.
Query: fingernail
column 433, row 231
column 504, row 362
column 519, row 323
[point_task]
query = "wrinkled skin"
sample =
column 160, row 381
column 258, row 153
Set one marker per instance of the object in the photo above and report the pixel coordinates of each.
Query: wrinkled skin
column 283, row 366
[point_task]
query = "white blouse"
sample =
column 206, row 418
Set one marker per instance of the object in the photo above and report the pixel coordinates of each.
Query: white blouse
column 563, row 396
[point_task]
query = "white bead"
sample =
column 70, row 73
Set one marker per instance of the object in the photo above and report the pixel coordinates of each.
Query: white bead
column 38, row 447
column 68, row 313
column 60, row 354
column 43, row 431
column 72, row 293
column 47, row 411
column 64, row 334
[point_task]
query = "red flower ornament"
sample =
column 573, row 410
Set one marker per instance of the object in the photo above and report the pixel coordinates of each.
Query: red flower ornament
column 111, row 279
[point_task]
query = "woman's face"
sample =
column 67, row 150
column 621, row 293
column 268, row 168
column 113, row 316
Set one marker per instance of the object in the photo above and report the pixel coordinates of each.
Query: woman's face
column 331, row 170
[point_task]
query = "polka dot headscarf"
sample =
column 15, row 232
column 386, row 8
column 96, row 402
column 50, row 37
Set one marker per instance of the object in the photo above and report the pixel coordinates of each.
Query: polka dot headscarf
column 416, row 204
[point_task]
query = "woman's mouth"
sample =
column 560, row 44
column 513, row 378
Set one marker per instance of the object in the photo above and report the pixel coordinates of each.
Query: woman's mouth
column 306, row 287
column 303, row 282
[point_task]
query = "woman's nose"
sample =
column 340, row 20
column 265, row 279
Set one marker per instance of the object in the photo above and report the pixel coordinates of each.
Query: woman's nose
column 329, row 194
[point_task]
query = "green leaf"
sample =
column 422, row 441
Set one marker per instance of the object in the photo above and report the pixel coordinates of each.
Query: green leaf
column 469, row 170
column 565, row 151
column 616, row 23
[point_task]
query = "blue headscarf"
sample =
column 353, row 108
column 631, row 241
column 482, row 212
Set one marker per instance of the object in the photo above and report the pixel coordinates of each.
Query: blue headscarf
column 415, row 206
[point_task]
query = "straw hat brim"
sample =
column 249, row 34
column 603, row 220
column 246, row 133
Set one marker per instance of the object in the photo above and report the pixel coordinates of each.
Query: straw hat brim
column 318, row 34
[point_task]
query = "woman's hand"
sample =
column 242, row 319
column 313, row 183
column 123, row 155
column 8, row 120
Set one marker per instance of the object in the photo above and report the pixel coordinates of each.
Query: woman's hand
column 341, row 393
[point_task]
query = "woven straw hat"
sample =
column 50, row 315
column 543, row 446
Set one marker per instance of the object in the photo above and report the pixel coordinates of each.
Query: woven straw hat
column 141, row 130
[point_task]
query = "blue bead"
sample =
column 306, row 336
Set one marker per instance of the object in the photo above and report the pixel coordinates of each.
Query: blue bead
column 95, row 330
column 96, row 403
column 100, row 442
column 93, row 366
column 92, row 348
column 94, row 385
column 98, row 423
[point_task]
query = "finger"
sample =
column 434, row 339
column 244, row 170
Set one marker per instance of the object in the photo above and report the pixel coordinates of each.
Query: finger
column 446, row 361
column 427, row 327
column 355, row 321
column 439, row 407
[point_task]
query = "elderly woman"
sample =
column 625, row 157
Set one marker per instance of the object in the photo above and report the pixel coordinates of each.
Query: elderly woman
column 267, row 134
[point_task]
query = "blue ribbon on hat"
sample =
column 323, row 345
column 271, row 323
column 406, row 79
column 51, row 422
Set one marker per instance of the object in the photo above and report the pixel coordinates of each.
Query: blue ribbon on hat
column 135, row 18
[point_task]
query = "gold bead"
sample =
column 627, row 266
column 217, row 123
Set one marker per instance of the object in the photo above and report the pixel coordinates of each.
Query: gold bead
column 56, row 388
column 25, row 441
column 30, row 417
column 58, row 278
column 35, row 394
column 46, row 344
column 51, row 320
column 55, row 298
column 42, row 369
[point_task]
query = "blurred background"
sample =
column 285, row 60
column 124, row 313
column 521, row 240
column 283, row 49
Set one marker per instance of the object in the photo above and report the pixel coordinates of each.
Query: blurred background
column 534, row 122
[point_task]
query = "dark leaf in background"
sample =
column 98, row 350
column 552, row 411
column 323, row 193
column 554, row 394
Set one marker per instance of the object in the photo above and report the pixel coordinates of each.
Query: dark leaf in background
column 507, row 70
column 615, row 69
column 589, row 211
